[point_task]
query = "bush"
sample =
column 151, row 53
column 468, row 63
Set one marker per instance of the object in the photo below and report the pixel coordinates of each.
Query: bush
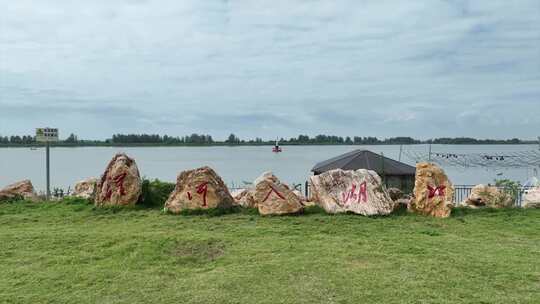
column 509, row 186
column 77, row 200
column 155, row 192
column 11, row 199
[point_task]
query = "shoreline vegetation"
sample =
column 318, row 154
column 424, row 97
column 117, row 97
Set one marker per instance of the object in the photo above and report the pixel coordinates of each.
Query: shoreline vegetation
column 197, row 140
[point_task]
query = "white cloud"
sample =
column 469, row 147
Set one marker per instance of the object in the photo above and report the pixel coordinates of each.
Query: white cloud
column 293, row 66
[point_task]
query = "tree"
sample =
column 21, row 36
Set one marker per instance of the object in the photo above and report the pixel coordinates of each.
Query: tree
column 72, row 139
column 232, row 139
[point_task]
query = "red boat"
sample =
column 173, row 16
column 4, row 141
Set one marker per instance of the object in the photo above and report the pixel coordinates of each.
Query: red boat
column 276, row 148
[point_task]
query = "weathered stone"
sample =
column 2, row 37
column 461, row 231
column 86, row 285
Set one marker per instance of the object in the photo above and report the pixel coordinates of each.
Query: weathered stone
column 274, row 198
column 395, row 193
column 19, row 190
column 245, row 199
column 237, row 192
column 120, row 184
column 270, row 196
column 433, row 191
column 86, row 188
column 300, row 196
column 200, row 188
column 402, row 204
column 359, row 191
column 531, row 199
column 489, row 196
column 268, row 175
column 303, row 199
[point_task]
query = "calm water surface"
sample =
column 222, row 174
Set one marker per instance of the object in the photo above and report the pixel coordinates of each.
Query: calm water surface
column 234, row 164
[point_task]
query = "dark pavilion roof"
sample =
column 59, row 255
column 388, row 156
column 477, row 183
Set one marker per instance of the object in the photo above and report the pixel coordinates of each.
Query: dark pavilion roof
column 363, row 159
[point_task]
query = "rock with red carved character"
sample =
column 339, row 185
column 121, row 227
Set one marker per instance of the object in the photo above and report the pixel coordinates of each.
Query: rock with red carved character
column 200, row 188
column 272, row 197
column 360, row 192
column 120, row 184
column 19, row 190
column 433, row 191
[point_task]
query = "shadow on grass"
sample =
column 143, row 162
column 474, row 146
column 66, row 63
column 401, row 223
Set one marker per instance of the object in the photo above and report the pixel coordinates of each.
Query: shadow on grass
column 317, row 210
column 197, row 251
column 313, row 210
column 464, row 211
column 213, row 212
column 79, row 204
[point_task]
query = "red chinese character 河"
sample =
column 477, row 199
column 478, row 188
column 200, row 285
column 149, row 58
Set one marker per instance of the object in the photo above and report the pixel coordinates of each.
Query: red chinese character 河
column 200, row 189
column 203, row 189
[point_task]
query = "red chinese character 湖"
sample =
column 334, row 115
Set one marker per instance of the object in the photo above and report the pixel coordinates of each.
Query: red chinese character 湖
column 351, row 195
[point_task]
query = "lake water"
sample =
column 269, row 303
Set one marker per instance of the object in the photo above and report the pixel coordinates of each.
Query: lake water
column 234, row 164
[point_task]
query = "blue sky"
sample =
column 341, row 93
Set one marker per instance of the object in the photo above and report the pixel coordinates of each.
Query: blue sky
column 271, row 68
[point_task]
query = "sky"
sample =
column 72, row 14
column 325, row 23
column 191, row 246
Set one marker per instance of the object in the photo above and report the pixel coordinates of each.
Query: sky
column 271, row 69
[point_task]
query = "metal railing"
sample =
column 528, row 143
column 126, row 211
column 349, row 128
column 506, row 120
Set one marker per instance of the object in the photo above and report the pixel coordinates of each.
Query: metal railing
column 303, row 188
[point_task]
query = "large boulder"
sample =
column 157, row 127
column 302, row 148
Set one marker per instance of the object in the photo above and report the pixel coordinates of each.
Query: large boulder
column 359, row 191
column 85, row 189
column 531, row 199
column 433, row 191
column 200, row 188
column 270, row 196
column 489, row 196
column 120, row 184
column 273, row 197
column 19, row 190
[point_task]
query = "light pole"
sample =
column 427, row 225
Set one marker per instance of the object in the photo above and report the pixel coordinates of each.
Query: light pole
column 48, row 169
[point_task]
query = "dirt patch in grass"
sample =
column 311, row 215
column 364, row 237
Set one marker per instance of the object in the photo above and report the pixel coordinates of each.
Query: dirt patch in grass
column 198, row 251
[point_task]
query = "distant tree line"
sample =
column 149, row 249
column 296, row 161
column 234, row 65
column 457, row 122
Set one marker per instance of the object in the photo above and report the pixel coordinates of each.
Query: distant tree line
column 202, row 139
column 158, row 139
column 469, row 141
column 356, row 140
column 17, row 140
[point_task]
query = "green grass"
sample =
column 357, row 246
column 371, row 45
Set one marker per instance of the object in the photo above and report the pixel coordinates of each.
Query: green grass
column 70, row 252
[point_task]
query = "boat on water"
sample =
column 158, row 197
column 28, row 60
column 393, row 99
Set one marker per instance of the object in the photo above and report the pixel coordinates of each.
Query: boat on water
column 277, row 148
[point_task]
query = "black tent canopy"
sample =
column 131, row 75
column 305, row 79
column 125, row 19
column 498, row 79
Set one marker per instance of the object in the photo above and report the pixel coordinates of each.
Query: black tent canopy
column 395, row 173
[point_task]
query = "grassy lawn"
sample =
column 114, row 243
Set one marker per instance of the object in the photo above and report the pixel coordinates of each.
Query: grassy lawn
column 70, row 252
